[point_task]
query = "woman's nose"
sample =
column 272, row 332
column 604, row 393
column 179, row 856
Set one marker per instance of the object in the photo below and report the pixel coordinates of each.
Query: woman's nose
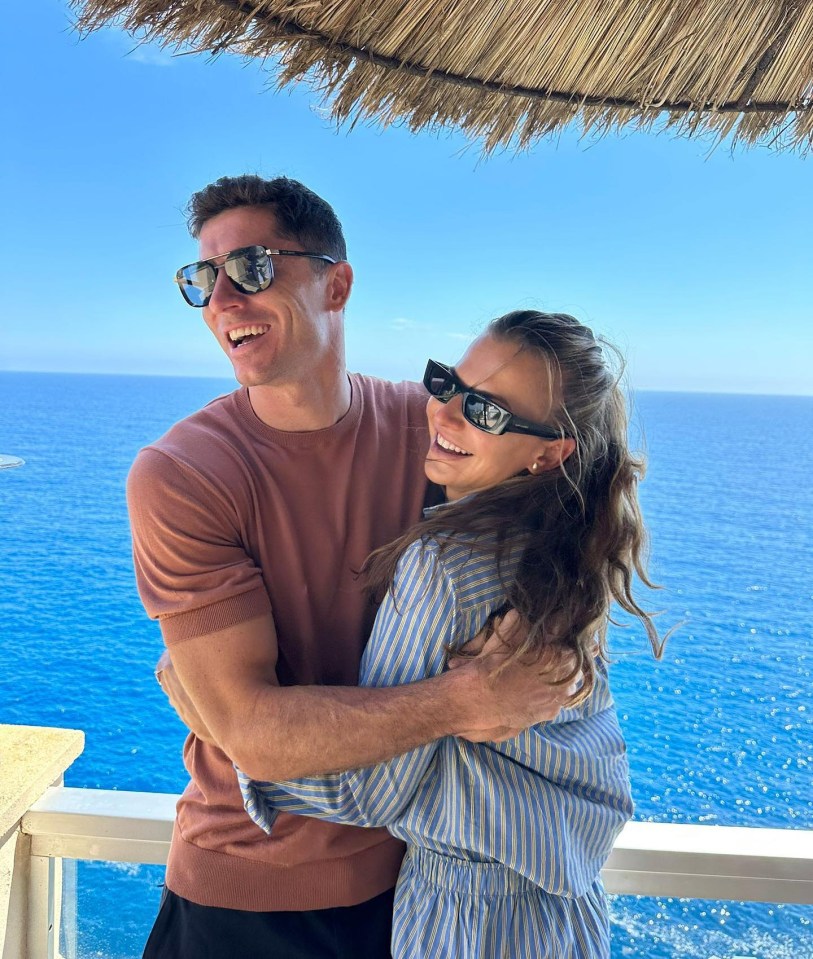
column 451, row 412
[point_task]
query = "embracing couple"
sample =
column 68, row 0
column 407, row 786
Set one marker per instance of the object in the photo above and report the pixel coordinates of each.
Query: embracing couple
column 385, row 607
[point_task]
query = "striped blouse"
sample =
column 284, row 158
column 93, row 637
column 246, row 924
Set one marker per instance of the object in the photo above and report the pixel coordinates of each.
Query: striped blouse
column 533, row 818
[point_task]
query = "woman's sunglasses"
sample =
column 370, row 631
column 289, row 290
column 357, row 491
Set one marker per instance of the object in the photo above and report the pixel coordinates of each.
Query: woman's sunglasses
column 479, row 410
column 250, row 270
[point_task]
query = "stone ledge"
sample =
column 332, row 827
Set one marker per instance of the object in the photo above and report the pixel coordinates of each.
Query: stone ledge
column 31, row 759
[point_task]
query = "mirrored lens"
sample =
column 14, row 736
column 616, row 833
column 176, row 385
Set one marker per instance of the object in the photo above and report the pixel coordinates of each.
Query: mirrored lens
column 250, row 269
column 197, row 282
column 483, row 414
column 440, row 382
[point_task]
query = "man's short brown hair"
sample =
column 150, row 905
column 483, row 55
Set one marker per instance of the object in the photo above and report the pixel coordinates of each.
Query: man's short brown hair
column 300, row 213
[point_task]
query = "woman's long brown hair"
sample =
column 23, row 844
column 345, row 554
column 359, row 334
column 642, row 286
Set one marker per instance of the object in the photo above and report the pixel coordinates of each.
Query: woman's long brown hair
column 580, row 525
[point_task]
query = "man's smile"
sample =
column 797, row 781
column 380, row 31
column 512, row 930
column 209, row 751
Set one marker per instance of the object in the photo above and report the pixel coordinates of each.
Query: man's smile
column 239, row 335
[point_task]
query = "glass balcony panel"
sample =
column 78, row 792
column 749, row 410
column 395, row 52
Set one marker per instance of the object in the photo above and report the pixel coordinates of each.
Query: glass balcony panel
column 108, row 908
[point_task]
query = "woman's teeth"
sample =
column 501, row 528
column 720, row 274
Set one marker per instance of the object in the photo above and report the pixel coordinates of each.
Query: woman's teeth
column 444, row 444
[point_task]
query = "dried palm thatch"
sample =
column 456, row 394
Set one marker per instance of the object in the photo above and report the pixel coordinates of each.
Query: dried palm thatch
column 512, row 71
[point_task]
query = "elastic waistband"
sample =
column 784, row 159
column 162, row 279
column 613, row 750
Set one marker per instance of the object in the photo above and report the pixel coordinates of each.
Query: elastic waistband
column 466, row 877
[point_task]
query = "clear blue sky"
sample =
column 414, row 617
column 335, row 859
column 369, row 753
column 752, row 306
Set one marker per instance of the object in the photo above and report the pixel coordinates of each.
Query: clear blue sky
column 697, row 264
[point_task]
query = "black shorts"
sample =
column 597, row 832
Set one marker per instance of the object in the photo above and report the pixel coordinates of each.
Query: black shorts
column 185, row 930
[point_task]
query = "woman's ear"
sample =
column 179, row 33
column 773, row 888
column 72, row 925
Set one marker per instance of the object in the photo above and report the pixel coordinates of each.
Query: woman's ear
column 552, row 455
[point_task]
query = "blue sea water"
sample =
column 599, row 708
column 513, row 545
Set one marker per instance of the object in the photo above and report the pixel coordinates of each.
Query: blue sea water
column 719, row 731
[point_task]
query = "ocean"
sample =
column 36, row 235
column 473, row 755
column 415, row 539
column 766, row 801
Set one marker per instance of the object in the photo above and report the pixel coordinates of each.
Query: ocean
column 719, row 731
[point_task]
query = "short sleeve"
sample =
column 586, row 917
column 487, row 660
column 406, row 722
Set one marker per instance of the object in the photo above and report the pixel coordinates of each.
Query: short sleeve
column 192, row 570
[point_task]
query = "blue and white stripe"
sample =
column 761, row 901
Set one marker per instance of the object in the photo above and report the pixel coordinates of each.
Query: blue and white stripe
column 505, row 840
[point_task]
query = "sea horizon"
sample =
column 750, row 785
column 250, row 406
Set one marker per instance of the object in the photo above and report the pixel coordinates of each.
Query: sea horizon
column 632, row 390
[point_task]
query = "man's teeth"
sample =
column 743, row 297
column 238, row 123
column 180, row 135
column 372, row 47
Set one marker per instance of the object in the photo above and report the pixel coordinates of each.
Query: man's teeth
column 443, row 443
column 245, row 331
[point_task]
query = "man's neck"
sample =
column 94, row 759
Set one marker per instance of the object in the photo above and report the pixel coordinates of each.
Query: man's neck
column 303, row 407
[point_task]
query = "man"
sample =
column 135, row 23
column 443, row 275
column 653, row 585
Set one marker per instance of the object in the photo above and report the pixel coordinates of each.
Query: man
column 250, row 519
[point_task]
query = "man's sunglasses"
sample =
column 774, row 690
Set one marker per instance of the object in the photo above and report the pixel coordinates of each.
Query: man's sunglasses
column 479, row 410
column 250, row 270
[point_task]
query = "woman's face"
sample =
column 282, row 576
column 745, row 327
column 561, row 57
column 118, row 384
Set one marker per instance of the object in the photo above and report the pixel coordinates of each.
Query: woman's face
column 465, row 459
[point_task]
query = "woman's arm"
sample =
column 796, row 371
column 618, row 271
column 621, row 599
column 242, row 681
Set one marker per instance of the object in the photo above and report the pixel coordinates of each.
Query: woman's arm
column 414, row 627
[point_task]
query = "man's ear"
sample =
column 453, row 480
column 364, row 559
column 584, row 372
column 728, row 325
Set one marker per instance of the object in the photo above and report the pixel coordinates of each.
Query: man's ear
column 340, row 284
column 553, row 454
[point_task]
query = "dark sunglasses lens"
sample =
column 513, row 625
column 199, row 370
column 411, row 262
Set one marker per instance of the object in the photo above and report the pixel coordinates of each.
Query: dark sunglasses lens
column 483, row 414
column 440, row 382
column 250, row 269
column 196, row 283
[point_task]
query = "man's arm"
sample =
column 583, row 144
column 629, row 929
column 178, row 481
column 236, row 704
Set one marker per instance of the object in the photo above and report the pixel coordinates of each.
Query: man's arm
column 278, row 733
column 189, row 559
column 417, row 624
column 415, row 627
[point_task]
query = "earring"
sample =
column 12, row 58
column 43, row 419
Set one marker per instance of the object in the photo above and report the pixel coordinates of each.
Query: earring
column 534, row 467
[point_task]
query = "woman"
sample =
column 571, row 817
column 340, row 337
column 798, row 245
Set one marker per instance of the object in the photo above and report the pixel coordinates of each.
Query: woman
column 505, row 841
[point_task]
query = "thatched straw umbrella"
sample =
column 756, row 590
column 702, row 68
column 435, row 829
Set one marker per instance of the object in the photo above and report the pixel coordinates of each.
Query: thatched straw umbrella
column 511, row 71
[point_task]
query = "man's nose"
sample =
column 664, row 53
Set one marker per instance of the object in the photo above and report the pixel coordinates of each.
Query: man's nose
column 225, row 294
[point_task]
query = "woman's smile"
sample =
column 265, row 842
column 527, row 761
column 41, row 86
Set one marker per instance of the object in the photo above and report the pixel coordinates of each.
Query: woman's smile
column 449, row 446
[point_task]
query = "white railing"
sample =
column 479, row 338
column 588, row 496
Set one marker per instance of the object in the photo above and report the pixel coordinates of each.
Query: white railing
column 42, row 824
column 649, row 859
column 101, row 824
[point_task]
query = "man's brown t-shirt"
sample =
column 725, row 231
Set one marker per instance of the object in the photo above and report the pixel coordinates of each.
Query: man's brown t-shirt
column 231, row 520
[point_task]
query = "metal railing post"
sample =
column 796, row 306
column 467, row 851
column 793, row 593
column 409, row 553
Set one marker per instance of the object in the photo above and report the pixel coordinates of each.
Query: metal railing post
column 44, row 907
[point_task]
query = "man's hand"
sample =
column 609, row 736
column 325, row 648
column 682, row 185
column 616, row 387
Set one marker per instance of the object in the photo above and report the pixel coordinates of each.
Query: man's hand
column 525, row 691
column 179, row 698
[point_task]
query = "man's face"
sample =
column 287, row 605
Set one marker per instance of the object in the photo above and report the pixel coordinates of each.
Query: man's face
column 285, row 333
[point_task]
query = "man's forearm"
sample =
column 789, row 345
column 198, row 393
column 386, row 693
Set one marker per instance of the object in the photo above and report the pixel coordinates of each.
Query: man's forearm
column 301, row 731
column 228, row 680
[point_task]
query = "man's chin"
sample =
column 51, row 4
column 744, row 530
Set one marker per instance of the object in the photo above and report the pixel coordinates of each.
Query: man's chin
column 248, row 374
column 249, row 378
